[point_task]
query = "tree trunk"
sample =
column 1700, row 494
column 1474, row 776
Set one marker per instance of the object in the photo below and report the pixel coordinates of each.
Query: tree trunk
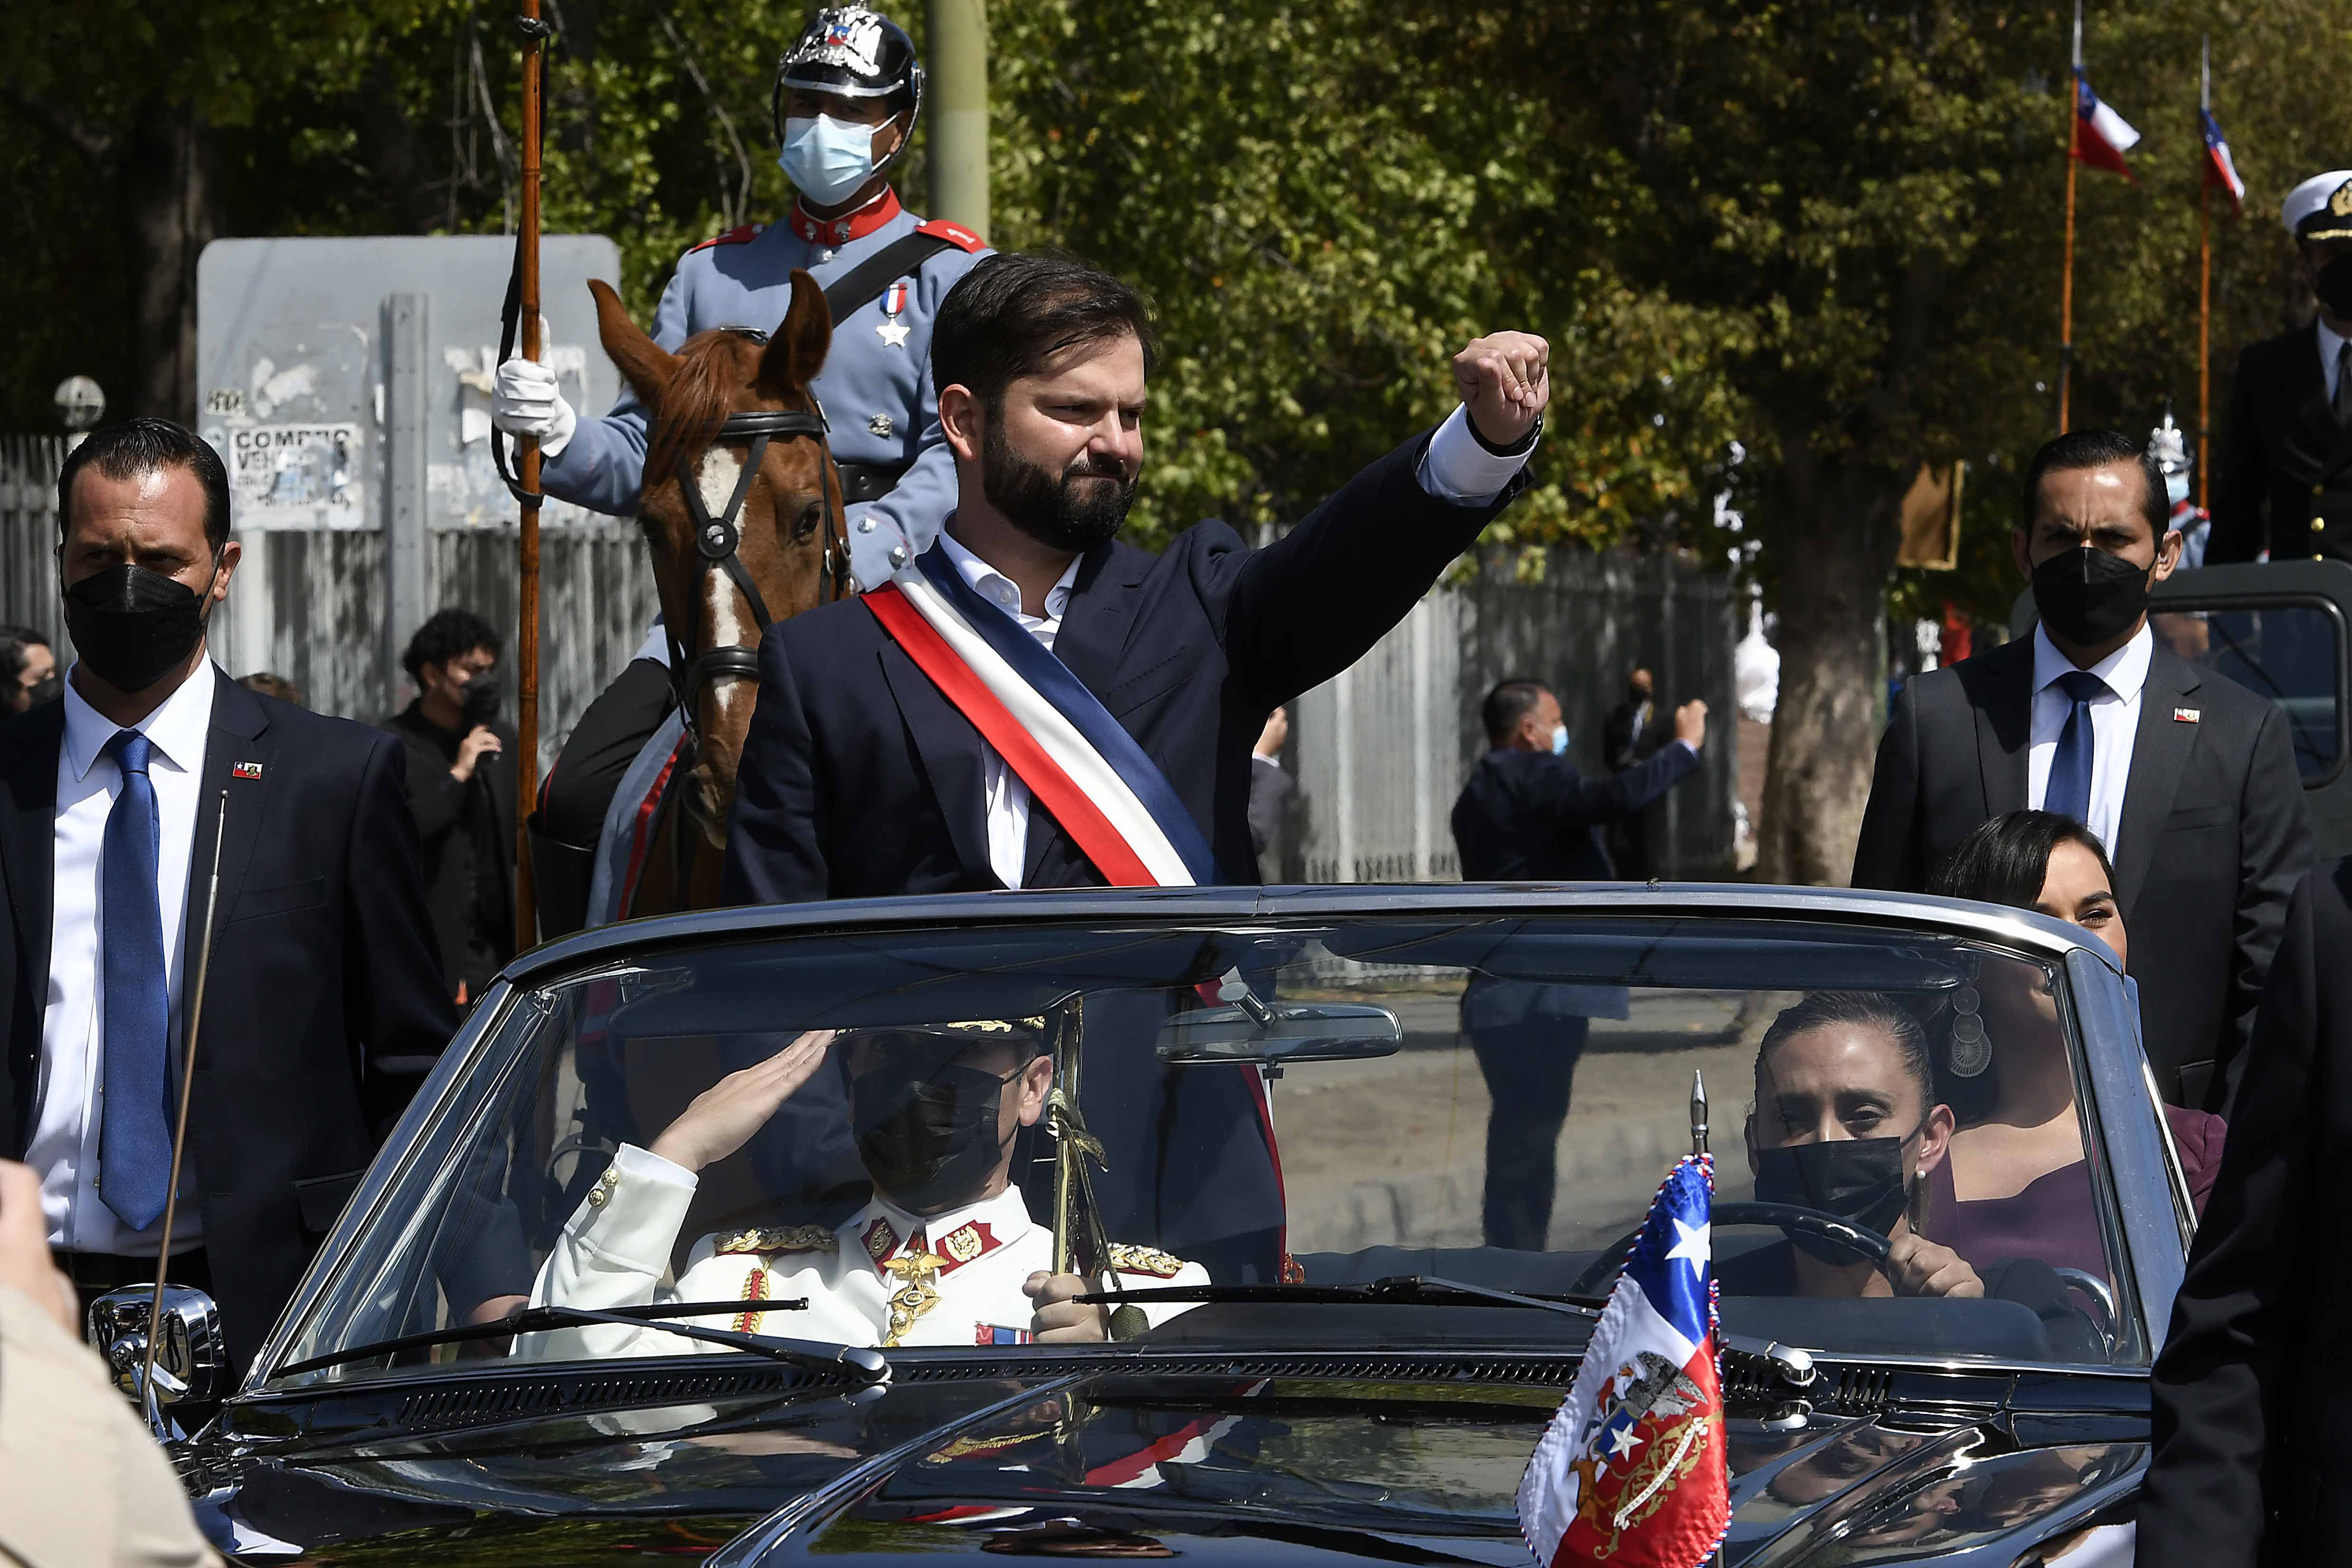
column 1838, row 541
column 167, row 219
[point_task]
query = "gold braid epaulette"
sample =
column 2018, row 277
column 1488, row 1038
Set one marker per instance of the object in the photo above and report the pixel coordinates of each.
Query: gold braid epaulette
column 1128, row 1258
column 779, row 1239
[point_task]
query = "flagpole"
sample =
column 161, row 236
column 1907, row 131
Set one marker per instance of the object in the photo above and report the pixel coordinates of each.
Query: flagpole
column 2066, row 278
column 2204, row 273
column 526, row 465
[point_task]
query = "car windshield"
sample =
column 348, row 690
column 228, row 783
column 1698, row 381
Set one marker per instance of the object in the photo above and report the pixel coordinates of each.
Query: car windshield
column 930, row 1139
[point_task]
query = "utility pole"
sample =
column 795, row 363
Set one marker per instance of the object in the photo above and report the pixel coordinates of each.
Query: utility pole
column 959, row 149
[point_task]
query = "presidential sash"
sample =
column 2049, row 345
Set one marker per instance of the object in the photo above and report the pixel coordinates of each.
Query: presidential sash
column 1112, row 800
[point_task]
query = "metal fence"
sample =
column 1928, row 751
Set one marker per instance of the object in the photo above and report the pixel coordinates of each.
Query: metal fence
column 1382, row 751
column 311, row 604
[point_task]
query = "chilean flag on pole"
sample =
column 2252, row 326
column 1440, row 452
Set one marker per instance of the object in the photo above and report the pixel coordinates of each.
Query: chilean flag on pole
column 2221, row 168
column 2102, row 136
column 1632, row 1471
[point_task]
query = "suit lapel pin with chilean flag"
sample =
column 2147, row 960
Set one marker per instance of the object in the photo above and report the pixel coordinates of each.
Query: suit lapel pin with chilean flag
column 2187, row 715
column 246, row 771
column 892, row 331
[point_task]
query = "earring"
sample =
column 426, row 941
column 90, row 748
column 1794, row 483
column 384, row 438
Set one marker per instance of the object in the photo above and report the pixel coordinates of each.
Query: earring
column 1970, row 1051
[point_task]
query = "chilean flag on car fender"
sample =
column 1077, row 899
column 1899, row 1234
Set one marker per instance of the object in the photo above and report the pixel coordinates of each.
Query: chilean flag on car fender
column 2102, row 136
column 1632, row 1471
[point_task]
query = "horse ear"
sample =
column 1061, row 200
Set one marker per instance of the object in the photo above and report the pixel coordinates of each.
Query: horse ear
column 796, row 353
column 645, row 364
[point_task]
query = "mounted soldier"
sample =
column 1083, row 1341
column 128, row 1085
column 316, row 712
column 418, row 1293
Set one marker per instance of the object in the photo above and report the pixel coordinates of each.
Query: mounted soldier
column 849, row 96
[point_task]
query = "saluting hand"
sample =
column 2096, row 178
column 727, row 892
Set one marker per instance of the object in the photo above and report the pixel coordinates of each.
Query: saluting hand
column 723, row 1117
column 1505, row 381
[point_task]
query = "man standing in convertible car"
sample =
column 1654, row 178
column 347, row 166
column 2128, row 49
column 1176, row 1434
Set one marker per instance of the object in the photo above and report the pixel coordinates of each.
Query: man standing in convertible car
column 878, row 761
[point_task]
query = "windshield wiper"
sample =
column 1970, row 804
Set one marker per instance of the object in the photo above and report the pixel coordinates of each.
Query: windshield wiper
column 868, row 1364
column 1406, row 1288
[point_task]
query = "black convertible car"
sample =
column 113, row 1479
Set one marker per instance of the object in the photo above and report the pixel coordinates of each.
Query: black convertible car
column 1155, row 1224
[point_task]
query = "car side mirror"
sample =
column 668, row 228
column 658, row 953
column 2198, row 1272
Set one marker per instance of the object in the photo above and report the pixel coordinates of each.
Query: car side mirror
column 191, row 1362
column 1279, row 1034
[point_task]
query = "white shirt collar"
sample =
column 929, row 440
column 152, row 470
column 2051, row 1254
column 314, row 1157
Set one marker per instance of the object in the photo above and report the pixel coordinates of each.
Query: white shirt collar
column 1007, row 1215
column 177, row 728
column 1000, row 590
column 2124, row 671
column 2331, row 343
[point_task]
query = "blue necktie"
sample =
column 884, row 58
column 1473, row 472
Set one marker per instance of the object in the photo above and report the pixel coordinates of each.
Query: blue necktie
column 2068, row 793
column 134, row 1133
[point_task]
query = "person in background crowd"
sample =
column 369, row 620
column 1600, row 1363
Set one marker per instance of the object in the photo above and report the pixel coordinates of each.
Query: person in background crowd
column 2250, row 1400
column 271, row 685
column 2283, row 485
column 1527, row 814
column 82, row 1484
column 1270, row 787
column 461, row 785
column 2015, row 1184
column 2189, row 779
column 2169, row 444
column 1632, row 734
column 325, row 1008
column 28, row 670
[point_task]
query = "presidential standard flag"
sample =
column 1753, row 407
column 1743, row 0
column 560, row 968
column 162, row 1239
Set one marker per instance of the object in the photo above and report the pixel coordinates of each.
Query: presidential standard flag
column 2102, row 136
column 1632, row 1471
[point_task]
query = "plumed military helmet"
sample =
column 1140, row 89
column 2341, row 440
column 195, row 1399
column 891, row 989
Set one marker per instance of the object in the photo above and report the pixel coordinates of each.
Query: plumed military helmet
column 2169, row 445
column 856, row 53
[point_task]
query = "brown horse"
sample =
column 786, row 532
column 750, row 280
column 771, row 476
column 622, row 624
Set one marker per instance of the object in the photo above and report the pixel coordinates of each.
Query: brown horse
column 742, row 507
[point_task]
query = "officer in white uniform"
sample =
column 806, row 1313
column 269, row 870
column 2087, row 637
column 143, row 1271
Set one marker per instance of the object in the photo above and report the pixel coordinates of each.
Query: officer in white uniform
column 945, row 1253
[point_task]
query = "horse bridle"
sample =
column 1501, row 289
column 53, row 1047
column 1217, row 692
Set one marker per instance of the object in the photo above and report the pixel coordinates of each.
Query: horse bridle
column 717, row 539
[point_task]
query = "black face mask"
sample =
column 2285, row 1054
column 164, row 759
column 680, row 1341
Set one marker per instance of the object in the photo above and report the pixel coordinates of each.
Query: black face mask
column 2088, row 597
column 48, row 688
column 481, row 700
column 134, row 626
column 2334, row 286
column 1074, row 512
column 928, row 1143
column 1858, row 1180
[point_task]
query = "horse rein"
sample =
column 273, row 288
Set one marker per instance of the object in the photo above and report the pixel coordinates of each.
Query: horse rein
column 718, row 541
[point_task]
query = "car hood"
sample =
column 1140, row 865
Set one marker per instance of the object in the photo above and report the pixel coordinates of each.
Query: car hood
column 1125, row 1465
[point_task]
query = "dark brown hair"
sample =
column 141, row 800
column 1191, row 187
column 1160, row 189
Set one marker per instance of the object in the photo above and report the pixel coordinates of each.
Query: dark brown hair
column 129, row 447
column 1018, row 308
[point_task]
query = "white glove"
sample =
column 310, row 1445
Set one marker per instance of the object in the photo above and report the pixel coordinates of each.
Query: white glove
column 524, row 402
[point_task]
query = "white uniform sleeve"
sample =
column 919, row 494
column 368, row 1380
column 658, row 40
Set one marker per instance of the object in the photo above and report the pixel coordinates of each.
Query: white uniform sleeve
column 1158, row 1312
column 613, row 1252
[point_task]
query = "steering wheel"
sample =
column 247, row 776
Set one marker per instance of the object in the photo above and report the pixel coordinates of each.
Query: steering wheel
column 1860, row 1240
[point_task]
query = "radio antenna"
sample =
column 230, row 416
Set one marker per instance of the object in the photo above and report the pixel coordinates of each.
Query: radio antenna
column 149, row 1403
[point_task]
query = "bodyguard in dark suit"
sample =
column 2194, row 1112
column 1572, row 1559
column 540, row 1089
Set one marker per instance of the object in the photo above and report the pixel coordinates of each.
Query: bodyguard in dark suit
column 2285, row 483
column 859, row 777
column 1633, row 733
column 2187, row 777
column 1527, row 814
column 324, row 1007
column 2252, row 1400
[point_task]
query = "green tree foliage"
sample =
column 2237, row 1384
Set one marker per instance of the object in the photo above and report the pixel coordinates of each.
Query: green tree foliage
column 1786, row 250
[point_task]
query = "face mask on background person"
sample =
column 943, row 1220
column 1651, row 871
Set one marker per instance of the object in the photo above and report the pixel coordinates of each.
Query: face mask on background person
column 2176, row 487
column 46, row 690
column 1858, row 1180
column 481, row 703
column 2088, row 597
column 827, row 159
column 134, row 626
column 930, row 1142
column 1558, row 740
column 2334, row 286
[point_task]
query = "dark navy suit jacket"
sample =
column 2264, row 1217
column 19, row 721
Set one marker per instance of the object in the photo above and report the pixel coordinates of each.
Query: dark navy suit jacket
column 324, row 1007
column 859, row 779
column 1532, row 816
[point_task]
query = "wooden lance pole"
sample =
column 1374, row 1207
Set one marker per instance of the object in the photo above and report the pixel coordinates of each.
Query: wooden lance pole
column 2204, row 282
column 2066, row 278
column 527, row 465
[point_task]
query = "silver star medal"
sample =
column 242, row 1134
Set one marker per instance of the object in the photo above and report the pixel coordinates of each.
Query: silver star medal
column 892, row 331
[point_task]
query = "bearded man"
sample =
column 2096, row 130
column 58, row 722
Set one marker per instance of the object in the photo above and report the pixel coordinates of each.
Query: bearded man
column 871, row 769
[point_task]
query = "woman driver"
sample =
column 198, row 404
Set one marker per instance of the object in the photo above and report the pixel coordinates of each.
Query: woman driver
column 1846, row 1124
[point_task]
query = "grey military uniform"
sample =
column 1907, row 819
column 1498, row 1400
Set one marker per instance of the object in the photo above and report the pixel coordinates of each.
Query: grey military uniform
column 875, row 386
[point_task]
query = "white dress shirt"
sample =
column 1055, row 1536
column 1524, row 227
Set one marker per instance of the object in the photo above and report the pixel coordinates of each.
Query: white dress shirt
column 1454, row 467
column 64, row 1148
column 2331, row 344
column 2115, row 724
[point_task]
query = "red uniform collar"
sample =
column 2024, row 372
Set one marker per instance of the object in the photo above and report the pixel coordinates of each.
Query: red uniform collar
column 841, row 230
